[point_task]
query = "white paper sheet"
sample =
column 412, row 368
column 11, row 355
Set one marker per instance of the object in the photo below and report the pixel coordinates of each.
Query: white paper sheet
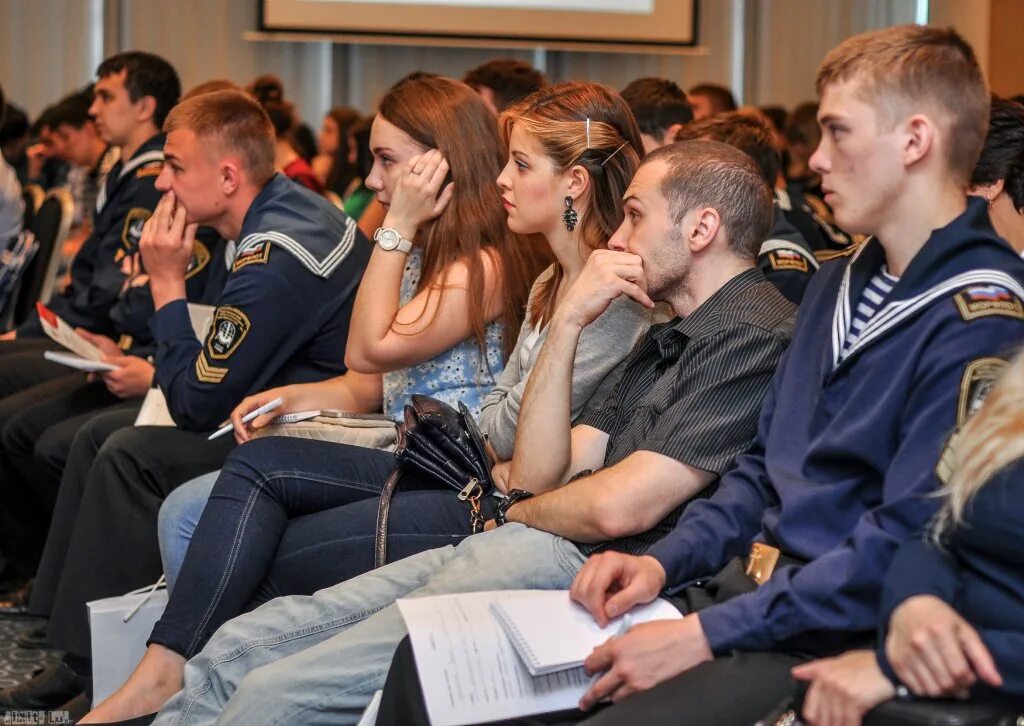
column 76, row 361
column 470, row 672
column 551, row 632
column 62, row 333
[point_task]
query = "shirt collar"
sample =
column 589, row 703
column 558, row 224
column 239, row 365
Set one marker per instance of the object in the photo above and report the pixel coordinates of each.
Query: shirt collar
column 706, row 319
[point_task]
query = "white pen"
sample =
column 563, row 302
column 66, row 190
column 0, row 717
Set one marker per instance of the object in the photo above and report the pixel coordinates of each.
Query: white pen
column 265, row 408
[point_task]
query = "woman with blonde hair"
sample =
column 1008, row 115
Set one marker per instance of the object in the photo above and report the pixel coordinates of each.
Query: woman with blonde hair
column 952, row 622
column 292, row 517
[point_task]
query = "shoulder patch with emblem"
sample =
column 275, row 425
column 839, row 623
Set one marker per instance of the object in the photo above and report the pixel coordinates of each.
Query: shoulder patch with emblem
column 200, row 259
column 227, row 331
column 980, row 301
column 134, row 221
column 787, row 260
column 149, row 170
column 979, row 377
column 258, row 255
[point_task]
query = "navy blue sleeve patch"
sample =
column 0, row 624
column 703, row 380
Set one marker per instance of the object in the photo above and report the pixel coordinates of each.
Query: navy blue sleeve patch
column 787, row 260
column 979, row 301
column 228, row 330
column 134, row 221
column 258, row 255
column 979, row 377
column 200, row 259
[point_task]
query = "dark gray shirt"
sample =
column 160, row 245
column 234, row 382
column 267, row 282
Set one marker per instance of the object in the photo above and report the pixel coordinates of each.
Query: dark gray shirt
column 692, row 390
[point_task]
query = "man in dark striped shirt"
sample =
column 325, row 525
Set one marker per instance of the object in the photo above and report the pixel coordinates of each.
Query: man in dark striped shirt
column 686, row 406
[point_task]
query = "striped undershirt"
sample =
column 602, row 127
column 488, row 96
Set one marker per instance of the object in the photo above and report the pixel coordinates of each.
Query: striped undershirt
column 870, row 300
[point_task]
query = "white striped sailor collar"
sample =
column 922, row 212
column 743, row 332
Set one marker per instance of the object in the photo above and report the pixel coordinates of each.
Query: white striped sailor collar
column 321, row 266
column 152, row 150
column 936, row 272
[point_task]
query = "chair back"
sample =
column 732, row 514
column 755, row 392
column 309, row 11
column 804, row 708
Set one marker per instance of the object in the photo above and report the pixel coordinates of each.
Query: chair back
column 32, row 195
column 50, row 226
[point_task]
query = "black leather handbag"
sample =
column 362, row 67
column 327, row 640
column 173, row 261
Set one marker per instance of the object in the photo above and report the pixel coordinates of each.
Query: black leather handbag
column 445, row 447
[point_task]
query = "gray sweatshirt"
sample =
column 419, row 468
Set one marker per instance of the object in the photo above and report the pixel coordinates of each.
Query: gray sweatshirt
column 602, row 350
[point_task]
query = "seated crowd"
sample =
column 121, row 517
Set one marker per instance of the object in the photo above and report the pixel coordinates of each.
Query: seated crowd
column 763, row 365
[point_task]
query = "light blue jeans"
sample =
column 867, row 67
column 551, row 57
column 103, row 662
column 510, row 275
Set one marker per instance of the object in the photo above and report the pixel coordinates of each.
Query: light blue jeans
column 318, row 659
column 179, row 515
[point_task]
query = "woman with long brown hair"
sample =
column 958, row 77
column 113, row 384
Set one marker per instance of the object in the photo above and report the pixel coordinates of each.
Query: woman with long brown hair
column 290, row 516
column 333, row 164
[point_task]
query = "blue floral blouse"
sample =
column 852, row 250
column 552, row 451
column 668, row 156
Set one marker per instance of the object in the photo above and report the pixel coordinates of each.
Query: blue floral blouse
column 458, row 374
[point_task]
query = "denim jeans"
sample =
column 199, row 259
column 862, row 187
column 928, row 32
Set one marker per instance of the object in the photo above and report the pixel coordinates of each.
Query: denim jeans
column 290, row 516
column 179, row 516
column 318, row 659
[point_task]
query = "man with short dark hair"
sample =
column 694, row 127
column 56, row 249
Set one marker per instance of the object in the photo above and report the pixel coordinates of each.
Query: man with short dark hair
column 660, row 108
column 687, row 402
column 707, row 99
column 785, row 257
column 82, row 146
column 133, row 94
column 503, row 81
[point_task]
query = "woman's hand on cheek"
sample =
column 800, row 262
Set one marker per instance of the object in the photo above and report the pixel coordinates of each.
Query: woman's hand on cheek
column 416, row 199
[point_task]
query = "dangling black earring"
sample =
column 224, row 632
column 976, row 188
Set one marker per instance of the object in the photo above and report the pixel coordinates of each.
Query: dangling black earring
column 569, row 216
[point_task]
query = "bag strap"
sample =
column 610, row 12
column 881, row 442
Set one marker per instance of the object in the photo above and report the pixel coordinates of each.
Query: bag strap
column 380, row 545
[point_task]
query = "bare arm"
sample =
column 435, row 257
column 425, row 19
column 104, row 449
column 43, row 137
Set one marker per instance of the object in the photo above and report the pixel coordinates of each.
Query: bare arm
column 542, row 457
column 544, row 453
column 384, row 335
column 621, row 500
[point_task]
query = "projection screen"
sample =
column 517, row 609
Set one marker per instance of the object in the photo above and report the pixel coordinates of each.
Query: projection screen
column 630, row 24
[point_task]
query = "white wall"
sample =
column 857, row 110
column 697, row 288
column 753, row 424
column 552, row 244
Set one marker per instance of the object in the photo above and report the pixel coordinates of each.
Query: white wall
column 52, row 46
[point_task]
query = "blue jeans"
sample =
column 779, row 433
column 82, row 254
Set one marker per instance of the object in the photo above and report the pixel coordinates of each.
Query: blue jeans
column 318, row 659
column 290, row 516
column 179, row 517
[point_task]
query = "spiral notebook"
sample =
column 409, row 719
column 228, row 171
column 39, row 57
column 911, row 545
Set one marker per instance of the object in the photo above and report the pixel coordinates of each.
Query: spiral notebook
column 551, row 633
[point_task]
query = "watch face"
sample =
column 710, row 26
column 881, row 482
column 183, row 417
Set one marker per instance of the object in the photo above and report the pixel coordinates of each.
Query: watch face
column 388, row 239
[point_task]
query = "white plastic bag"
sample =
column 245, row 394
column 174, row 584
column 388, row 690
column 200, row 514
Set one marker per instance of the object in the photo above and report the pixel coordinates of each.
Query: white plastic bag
column 120, row 628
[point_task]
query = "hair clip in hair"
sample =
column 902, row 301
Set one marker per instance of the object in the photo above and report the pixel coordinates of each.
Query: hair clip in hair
column 588, row 132
column 609, row 157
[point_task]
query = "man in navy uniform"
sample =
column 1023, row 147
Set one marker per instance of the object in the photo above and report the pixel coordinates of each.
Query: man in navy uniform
column 133, row 94
column 281, row 318
column 895, row 345
column 902, row 340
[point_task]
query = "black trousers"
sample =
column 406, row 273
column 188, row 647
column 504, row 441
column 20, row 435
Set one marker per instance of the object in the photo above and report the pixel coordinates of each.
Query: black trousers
column 117, row 477
column 48, row 430
column 736, row 689
column 114, row 547
column 22, row 364
column 84, row 447
column 24, row 516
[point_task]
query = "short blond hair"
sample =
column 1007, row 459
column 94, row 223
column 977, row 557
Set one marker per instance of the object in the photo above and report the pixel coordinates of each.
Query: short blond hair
column 899, row 69
column 231, row 121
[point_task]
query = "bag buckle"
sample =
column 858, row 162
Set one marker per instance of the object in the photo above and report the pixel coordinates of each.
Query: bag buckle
column 471, row 491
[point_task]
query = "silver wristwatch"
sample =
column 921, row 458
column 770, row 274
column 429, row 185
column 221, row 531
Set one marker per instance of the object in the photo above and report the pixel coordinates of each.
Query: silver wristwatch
column 390, row 239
